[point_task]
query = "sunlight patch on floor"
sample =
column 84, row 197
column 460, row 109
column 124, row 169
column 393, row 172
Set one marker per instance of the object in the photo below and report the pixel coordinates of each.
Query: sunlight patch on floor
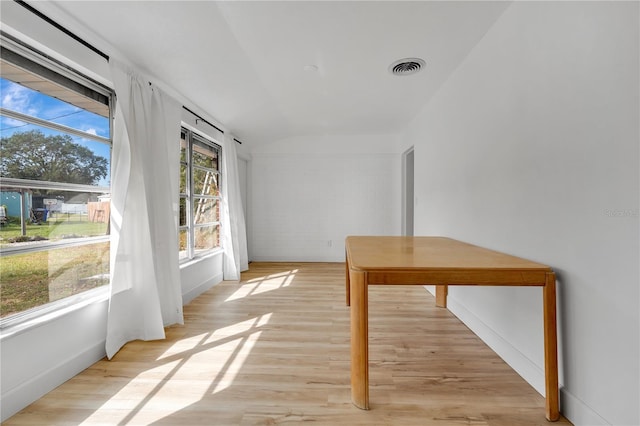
column 183, row 345
column 165, row 389
column 133, row 395
column 263, row 284
column 239, row 327
column 236, row 361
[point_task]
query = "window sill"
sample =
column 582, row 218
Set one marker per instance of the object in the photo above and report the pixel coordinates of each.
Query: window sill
column 42, row 315
column 32, row 247
column 185, row 263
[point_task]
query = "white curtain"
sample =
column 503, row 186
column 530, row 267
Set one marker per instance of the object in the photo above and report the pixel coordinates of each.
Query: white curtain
column 234, row 230
column 145, row 279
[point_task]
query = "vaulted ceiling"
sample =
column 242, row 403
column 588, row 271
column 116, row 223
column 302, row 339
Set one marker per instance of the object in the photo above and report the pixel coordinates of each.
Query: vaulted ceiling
column 247, row 63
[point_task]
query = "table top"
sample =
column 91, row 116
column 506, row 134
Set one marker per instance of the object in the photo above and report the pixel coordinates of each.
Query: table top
column 372, row 253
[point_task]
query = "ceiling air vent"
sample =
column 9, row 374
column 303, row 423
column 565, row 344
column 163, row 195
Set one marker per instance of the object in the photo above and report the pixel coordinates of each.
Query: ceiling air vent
column 406, row 66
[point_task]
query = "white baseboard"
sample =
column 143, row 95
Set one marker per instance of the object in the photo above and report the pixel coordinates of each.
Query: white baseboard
column 36, row 387
column 201, row 288
column 578, row 412
column 526, row 368
column 571, row 407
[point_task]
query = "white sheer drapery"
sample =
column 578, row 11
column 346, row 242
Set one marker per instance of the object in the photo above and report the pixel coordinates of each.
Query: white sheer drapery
column 234, row 230
column 145, row 279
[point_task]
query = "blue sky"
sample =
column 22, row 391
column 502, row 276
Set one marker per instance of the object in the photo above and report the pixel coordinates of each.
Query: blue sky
column 22, row 99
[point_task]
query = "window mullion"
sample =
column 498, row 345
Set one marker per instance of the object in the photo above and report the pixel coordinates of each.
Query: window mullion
column 191, row 231
column 51, row 125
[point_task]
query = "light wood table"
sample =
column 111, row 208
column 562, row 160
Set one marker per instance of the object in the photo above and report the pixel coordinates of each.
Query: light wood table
column 441, row 262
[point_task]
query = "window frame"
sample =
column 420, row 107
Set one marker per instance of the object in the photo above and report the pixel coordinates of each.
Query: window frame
column 44, row 66
column 191, row 138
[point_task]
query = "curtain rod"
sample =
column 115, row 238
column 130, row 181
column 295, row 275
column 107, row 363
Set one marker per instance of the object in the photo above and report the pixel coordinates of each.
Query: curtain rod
column 92, row 48
column 61, row 28
column 210, row 124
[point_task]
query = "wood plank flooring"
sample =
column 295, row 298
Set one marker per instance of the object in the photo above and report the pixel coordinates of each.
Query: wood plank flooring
column 274, row 349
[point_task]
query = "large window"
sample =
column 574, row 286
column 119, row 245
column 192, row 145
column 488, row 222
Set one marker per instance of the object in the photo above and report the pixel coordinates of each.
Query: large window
column 55, row 160
column 199, row 230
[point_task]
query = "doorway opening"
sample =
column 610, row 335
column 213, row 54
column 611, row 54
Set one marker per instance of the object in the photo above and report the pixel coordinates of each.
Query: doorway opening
column 408, row 196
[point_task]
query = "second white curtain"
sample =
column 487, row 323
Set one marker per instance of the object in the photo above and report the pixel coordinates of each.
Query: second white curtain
column 234, row 231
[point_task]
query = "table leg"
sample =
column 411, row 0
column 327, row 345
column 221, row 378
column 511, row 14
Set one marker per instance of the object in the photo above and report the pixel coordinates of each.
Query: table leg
column 441, row 295
column 359, row 340
column 551, row 348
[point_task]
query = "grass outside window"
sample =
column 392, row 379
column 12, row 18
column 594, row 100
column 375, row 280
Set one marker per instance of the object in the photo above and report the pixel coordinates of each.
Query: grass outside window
column 58, row 226
column 34, row 279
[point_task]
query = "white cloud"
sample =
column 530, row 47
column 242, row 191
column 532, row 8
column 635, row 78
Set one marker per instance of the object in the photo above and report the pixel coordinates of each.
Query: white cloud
column 27, row 101
column 92, row 131
column 18, row 98
column 7, row 123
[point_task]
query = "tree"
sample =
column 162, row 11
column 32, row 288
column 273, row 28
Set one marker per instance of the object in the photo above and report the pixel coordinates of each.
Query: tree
column 55, row 158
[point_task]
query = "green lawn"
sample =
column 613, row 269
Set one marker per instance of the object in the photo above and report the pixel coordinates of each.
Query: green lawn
column 61, row 226
column 33, row 279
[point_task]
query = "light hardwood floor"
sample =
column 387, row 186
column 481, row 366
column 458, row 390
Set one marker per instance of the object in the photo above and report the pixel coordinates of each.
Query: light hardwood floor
column 274, row 349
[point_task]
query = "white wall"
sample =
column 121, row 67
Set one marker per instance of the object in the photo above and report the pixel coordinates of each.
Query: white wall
column 309, row 193
column 200, row 275
column 532, row 148
column 46, row 355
